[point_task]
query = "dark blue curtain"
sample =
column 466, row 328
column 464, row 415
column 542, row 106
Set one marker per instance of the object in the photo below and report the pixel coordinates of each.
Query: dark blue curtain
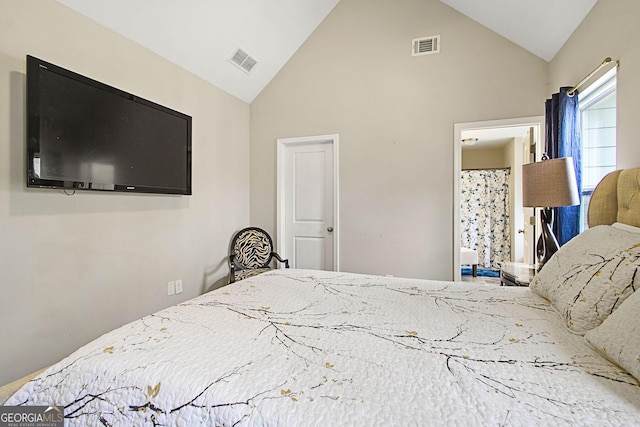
column 563, row 140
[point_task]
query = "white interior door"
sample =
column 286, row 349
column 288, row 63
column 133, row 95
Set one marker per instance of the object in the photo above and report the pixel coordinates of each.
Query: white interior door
column 517, row 211
column 307, row 192
column 529, row 213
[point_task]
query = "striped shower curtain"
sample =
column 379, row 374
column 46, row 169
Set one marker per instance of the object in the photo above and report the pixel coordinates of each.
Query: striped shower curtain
column 485, row 215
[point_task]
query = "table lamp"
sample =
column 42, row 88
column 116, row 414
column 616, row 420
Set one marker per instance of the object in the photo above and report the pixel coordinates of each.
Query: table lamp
column 547, row 184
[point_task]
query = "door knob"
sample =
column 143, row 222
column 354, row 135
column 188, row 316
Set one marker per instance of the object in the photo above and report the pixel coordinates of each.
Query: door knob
column 330, row 229
column 520, row 230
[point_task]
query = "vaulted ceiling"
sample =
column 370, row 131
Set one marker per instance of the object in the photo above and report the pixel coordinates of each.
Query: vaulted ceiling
column 540, row 26
column 202, row 35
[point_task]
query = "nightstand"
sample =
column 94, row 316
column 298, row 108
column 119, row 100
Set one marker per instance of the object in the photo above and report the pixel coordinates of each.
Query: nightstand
column 516, row 274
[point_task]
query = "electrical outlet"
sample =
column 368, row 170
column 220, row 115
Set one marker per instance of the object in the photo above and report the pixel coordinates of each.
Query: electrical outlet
column 179, row 286
column 171, row 288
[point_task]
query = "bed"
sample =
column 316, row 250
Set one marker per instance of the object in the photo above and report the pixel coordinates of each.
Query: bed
column 302, row 347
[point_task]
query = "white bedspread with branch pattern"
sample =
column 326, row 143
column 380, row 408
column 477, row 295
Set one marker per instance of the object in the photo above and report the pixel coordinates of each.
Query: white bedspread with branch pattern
column 299, row 347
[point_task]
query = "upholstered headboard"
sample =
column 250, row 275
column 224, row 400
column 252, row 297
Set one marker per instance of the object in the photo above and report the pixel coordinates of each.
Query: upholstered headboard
column 616, row 199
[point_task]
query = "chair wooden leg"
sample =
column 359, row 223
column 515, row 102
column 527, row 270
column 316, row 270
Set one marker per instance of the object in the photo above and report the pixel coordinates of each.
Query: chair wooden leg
column 475, row 270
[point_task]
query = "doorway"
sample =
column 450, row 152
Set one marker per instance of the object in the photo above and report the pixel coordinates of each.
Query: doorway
column 516, row 138
column 307, row 201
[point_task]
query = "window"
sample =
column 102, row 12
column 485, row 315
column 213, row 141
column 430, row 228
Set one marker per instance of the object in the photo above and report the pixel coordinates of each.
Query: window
column 598, row 133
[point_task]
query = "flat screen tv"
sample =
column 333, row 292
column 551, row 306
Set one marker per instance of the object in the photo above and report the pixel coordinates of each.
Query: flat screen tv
column 86, row 135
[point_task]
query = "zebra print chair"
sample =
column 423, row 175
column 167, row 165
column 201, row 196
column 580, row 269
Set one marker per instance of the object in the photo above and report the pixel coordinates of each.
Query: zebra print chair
column 251, row 254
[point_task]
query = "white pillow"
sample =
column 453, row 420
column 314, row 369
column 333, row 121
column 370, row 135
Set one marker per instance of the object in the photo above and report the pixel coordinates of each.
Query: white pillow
column 618, row 338
column 590, row 276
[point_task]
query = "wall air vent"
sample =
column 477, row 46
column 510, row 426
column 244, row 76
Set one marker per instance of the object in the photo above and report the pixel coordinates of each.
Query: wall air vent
column 242, row 60
column 425, row 45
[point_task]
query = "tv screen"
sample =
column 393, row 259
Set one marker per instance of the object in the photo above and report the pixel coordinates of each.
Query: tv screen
column 86, row 135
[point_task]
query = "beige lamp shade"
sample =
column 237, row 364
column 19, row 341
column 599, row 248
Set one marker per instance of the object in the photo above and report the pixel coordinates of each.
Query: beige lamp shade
column 549, row 183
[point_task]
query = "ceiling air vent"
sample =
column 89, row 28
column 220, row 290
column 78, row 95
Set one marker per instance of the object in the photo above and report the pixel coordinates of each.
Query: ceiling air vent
column 243, row 60
column 425, row 45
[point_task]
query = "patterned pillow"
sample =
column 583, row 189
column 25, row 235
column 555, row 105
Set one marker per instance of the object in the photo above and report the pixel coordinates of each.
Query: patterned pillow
column 618, row 338
column 590, row 276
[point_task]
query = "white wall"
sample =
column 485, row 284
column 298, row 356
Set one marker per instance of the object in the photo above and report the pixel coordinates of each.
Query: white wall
column 610, row 30
column 74, row 267
column 395, row 116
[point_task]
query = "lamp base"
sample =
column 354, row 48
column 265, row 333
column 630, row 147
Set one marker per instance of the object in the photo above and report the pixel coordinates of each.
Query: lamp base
column 547, row 242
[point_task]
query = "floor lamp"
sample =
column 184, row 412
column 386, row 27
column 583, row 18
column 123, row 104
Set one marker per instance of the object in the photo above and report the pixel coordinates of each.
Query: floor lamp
column 547, row 184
